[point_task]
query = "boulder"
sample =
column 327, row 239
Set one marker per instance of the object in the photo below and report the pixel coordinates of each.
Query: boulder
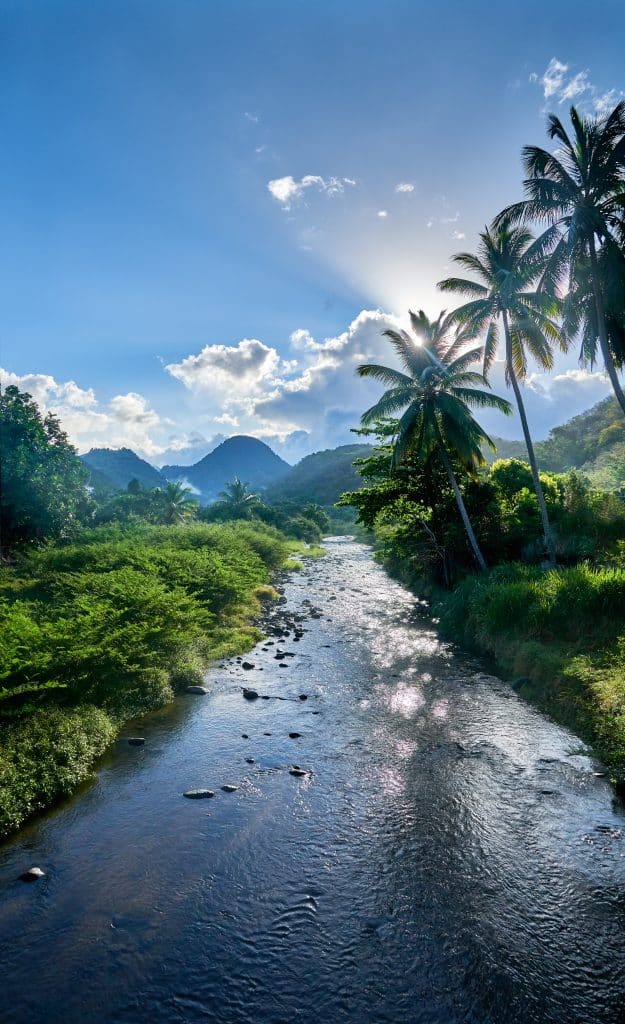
column 201, row 690
column 198, row 794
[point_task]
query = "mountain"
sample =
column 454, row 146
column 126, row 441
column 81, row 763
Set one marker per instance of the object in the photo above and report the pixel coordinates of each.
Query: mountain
column 116, row 467
column 323, row 476
column 246, row 457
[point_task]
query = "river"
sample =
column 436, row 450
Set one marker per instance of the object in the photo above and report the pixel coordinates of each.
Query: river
column 449, row 855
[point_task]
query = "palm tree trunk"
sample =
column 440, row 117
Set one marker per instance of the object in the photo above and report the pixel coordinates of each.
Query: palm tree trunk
column 542, row 505
column 464, row 515
column 608, row 361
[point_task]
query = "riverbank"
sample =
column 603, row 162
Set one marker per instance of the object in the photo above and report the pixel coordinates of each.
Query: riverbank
column 558, row 636
column 114, row 624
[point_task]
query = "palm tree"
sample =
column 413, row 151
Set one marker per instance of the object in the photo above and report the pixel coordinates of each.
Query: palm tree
column 580, row 312
column 175, row 505
column 580, row 191
column 435, row 391
column 237, row 500
column 509, row 261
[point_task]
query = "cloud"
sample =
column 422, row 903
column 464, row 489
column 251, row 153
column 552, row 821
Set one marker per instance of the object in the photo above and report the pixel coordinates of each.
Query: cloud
column 254, row 118
column 549, row 400
column 288, row 191
column 326, row 398
column 383, row 214
column 231, row 369
column 560, row 86
column 404, row 186
column 458, row 235
column 125, row 421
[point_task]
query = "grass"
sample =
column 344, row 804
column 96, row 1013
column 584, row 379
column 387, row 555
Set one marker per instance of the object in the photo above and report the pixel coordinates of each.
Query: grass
column 99, row 630
column 561, row 635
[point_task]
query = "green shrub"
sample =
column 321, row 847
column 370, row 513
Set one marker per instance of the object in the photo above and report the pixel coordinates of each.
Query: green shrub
column 45, row 757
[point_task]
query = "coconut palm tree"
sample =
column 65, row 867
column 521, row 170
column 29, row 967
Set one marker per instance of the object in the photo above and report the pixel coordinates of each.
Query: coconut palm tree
column 174, row 503
column 509, row 262
column 580, row 192
column 237, row 500
column 435, row 393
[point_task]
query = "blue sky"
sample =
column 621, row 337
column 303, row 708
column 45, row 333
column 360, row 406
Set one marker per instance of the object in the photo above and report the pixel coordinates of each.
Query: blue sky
column 211, row 209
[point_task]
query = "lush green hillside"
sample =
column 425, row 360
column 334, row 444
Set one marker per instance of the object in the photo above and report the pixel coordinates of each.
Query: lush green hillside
column 118, row 467
column 593, row 442
column 322, row 477
column 251, row 460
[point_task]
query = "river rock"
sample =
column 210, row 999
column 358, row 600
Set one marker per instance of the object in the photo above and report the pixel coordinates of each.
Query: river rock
column 247, row 665
column 135, row 741
column 250, row 760
column 200, row 690
column 250, row 694
column 32, row 875
column 303, row 696
column 198, row 794
column 297, row 772
column 228, row 788
column 294, row 735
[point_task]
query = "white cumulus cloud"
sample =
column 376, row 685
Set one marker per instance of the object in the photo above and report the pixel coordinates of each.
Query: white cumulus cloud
column 288, row 190
column 404, row 186
column 560, row 85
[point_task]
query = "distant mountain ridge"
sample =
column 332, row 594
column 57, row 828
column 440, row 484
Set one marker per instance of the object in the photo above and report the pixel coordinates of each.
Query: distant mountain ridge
column 322, row 477
column 251, row 460
column 116, row 467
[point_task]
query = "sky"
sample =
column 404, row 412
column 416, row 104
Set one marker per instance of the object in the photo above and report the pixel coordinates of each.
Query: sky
column 211, row 209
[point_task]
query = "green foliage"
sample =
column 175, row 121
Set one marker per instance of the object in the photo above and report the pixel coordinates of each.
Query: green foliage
column 43, row 490
column 44, row 757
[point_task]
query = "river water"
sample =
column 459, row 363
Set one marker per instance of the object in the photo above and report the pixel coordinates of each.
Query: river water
column 449, row 855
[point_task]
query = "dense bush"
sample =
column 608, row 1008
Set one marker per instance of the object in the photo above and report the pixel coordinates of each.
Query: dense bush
column 109, row 625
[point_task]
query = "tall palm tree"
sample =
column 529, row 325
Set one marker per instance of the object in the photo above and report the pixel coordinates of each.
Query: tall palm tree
column 175, row 505
column 509, row 262
column 580, row 192
column 237, row 500
column 436, row 392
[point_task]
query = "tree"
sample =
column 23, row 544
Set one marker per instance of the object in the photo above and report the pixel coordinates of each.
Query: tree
column 237, row 501
column 43, row 482
column 174, row 504
column 435, row 393
column 580, row 192
column 509, row 261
